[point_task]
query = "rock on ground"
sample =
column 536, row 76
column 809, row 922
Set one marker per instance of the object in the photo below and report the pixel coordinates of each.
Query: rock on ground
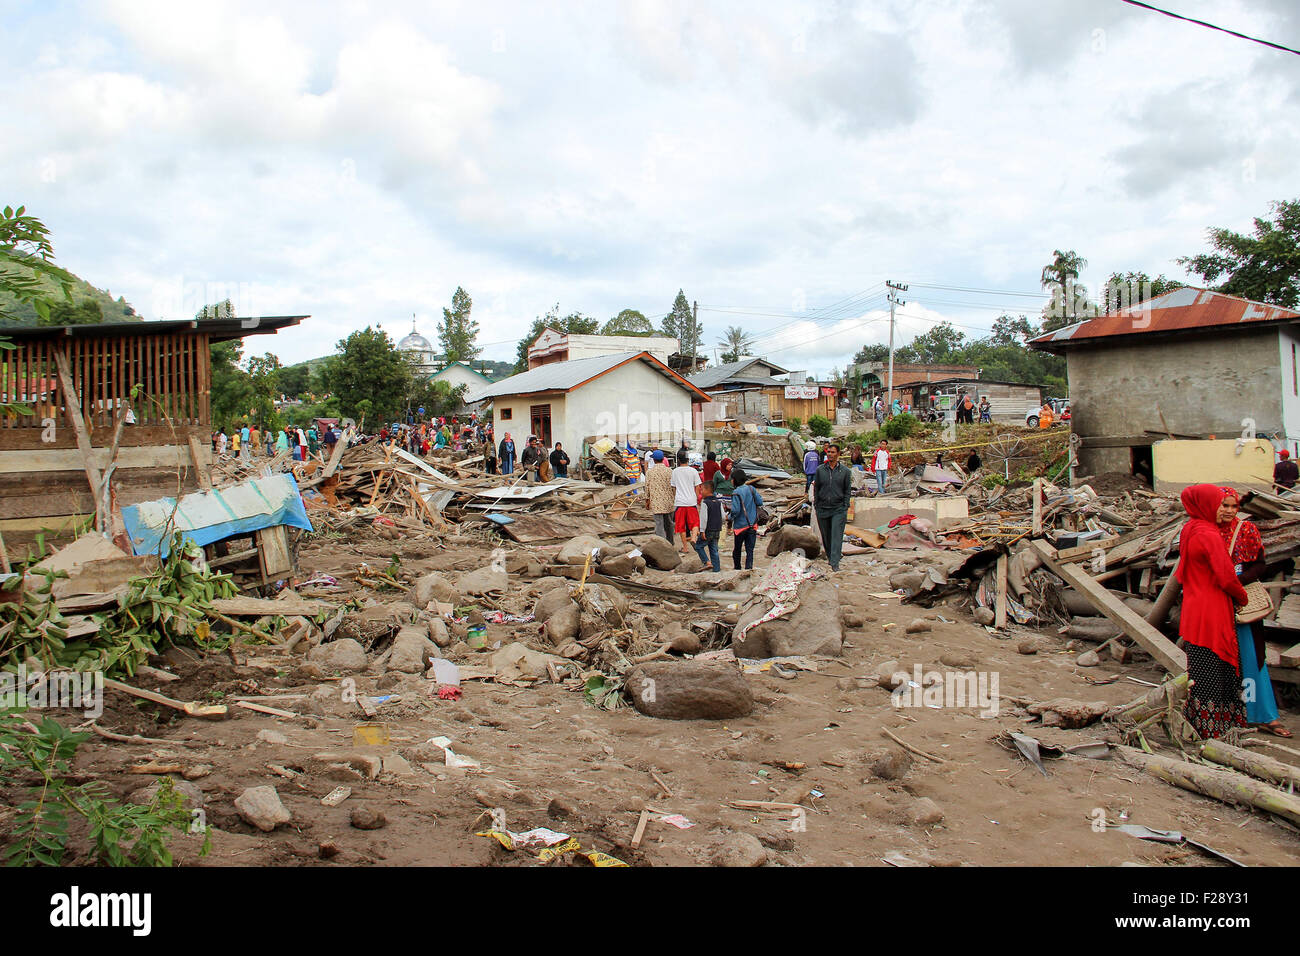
column 738, row 850
column 793, row 537
column 191, row 794
column 812, row 628
column 621, row 565
column 659, row 554
column 925, row 812
column 344, row 654
column 689, row 690
column 410, row 650
column 560, row 613
column 261, row 807
column 577, row 549
column 484, row 581
column 366, row 818
column 888, row 763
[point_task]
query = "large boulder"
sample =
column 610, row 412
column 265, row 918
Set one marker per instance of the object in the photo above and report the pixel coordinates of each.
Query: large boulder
column 812, row 628
column 621, row 565
column 485, row 581
column 689, row 690
column 560, row 613
column 433, row 587
column 344, row 654
column 261, row 807
column 577, row 549
column 410, row 651
column 601, row 602
column 793, row 537
column 659, row 554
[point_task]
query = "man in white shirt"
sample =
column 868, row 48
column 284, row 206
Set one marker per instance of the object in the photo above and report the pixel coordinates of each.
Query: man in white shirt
column 686, row 502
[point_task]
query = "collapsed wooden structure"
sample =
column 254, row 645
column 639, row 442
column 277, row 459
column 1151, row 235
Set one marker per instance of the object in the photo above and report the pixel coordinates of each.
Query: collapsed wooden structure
column 87, row 445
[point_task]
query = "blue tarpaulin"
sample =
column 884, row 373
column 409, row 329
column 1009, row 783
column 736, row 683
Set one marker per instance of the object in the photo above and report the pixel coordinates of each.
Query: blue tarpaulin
column 208, row 516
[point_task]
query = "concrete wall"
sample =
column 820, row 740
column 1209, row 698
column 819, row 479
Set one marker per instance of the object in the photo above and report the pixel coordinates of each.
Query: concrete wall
column 1178, row 464
column 1203, row 385
column 520, row 424
column 1289, row 346
column 633, row 401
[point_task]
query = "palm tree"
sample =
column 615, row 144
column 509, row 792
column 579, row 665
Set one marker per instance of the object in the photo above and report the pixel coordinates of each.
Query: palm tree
column 735, row 342
column 1061, row 278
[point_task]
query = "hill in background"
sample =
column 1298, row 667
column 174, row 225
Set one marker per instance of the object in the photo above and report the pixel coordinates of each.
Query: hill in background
column 85, row 299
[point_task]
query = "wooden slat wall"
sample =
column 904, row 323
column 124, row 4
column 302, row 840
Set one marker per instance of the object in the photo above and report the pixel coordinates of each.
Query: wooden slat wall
column 175, row 373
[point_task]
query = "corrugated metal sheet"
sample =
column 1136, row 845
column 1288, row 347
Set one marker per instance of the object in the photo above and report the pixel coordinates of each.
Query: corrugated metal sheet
column 563, row 376
column 1179, row 310
column 721, row 373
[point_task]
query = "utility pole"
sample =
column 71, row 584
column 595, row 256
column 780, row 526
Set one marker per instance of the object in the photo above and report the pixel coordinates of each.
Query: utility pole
column 894, row 289
column 695, row 325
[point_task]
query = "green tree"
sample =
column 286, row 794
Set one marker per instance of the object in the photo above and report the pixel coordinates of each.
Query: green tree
column 575, row 323
column 457, row 332
column 680, row 323
column 232, row 388
column 369, row 373
column 628, row 322
column 262, row 373
column 1070, row 301
column 1124, row 289
column 1264, row 267
column 293, row 381
column 936, row 347
column 1012, row 330
column 222, row 310
column 874, row 352
column 438, row 399
column 735, row 342
column 27, row 264
column 85, row 312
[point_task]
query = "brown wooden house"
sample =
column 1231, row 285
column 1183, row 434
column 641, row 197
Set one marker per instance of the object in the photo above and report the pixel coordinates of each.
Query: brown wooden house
column 55, row 461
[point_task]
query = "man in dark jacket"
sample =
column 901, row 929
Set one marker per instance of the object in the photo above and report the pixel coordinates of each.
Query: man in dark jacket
column 530, row 458
column 1285, row 472
column 833, row 503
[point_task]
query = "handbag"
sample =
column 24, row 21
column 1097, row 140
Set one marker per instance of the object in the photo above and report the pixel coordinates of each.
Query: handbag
column 1259, row 603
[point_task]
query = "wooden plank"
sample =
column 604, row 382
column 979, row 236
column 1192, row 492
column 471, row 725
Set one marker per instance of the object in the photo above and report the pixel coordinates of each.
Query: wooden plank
column 1152, row 641
column 640, row 828
column 339, row 448
column 1037, row 531
column 200, row 471
column 256, row 607
column 188, row 707
column 84, row 449
column 60, row 459
column 534, row 528
column 29, row 438
column 1000, row 610
column 273, row 552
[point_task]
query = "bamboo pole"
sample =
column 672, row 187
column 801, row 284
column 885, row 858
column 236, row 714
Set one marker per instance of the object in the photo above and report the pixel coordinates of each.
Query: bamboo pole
column 1227, row 786
column 1257, row 765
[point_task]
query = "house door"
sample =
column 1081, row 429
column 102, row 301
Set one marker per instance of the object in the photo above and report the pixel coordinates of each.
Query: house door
column 541, row 422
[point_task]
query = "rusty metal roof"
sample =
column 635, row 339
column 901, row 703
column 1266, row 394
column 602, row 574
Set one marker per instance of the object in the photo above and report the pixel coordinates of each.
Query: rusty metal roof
column 1181, row 310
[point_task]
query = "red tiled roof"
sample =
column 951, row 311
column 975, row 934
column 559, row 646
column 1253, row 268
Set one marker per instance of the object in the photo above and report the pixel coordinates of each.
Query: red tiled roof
column 1181, row 309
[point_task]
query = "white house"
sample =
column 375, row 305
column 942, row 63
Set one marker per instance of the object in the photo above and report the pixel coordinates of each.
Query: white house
column 554, row 346
column 457, row 374
column 626, row 396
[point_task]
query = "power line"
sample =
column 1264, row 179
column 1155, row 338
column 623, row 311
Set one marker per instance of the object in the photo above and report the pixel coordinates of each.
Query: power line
column 1211, row 26
column 959, row 288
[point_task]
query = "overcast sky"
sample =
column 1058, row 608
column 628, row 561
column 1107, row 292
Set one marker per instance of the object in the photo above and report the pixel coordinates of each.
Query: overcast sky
column 356, row 162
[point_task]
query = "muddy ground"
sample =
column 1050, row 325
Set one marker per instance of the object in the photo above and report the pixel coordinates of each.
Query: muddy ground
column 550, row 759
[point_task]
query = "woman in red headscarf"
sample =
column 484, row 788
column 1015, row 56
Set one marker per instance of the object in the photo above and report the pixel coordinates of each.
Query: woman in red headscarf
column 1246, row 549
column 1207, row 624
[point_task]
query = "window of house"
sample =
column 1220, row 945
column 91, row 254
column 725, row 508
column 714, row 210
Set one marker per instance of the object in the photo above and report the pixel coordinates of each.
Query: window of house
column 507, row 414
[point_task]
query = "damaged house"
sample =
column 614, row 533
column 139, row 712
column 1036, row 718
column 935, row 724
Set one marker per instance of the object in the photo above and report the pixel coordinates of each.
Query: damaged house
column 1189, row 364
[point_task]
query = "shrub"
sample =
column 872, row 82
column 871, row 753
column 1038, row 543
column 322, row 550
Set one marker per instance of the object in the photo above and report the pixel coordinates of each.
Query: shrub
column 794, row 424
column 820, row 426
column 901, row 426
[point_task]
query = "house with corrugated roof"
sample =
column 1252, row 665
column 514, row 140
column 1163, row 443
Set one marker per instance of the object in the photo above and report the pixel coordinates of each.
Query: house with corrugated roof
column 1191, row 363
column 626, row 396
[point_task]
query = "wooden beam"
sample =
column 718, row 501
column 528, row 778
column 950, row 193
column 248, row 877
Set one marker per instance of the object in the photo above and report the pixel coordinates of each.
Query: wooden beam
column 72, row 405
column 339, row 448
column 1170, row 657
column 196, row 456
column 1000, row 609
column 1037, row 531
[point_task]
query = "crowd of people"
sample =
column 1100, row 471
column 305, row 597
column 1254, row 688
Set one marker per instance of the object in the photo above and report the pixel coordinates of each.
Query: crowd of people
column 247, row 441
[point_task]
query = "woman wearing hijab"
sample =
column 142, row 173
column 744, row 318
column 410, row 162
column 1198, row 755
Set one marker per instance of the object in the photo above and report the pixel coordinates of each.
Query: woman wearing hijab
column 507, row 455
column 1246, row 549
column 1207, row 624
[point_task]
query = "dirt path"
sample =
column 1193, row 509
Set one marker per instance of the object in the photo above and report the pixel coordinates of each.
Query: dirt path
column 550, row 759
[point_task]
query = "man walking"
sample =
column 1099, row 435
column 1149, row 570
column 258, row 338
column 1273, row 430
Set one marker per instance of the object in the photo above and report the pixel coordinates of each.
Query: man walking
column 660, row 496
column 810, row 463
column 833, row 502
column 686, row 503
column 745, row 502
column 880, row 465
